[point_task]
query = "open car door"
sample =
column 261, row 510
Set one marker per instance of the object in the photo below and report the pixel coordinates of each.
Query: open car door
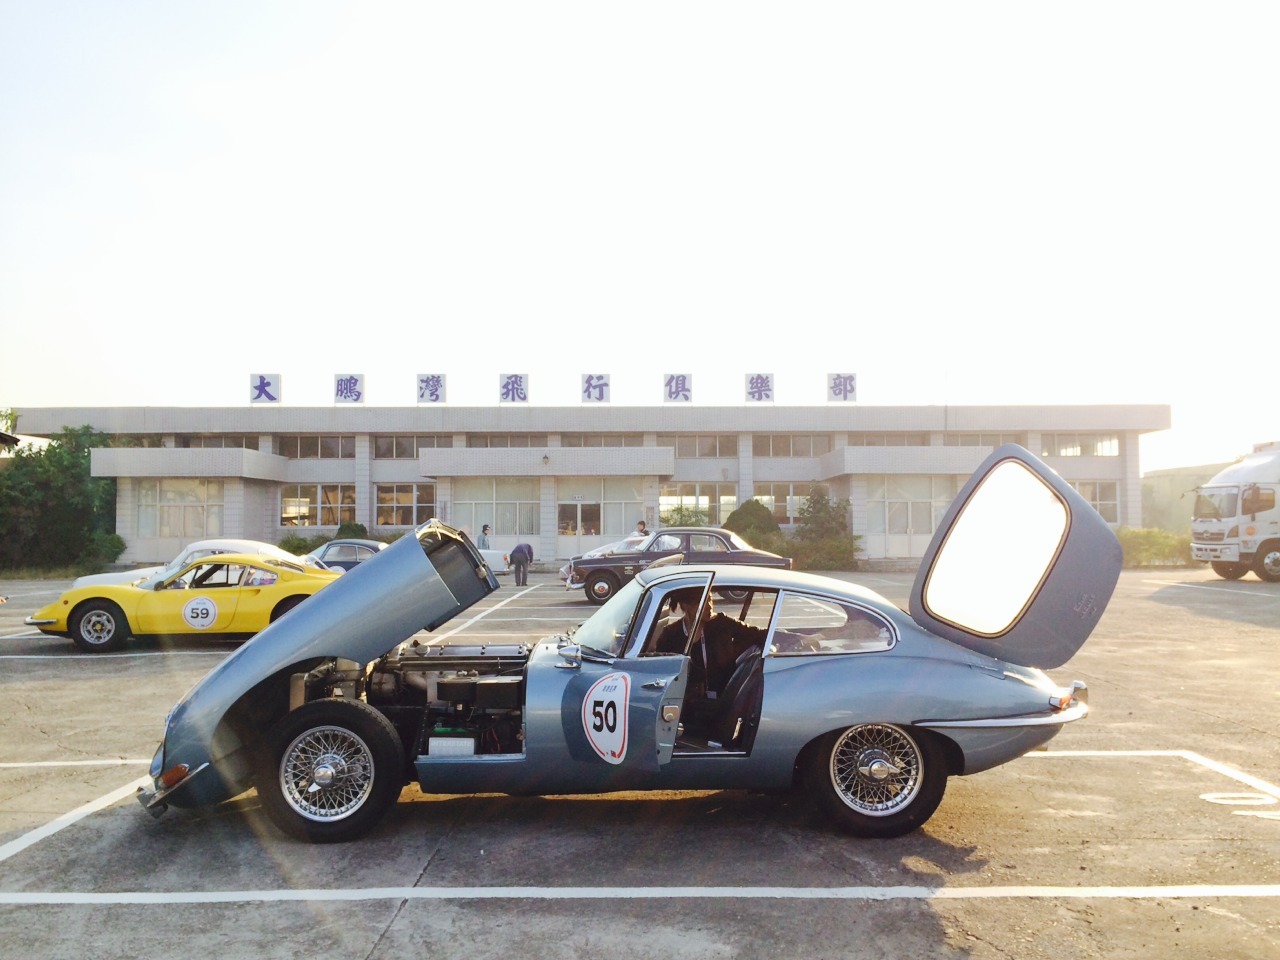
column 1021, row 566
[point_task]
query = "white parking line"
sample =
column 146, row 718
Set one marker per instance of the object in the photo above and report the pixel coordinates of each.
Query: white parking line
column 1214, row 765
column 67, row 819
column 1214, row 588
column 74, row 763
column 484, row 613
column 135, row 898
column 71, row 657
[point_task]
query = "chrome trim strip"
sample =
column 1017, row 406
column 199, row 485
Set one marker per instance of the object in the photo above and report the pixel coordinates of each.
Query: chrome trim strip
column 1076, row 712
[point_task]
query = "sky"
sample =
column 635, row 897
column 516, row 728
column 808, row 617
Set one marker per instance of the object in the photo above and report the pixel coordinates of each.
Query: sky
column 978, row 203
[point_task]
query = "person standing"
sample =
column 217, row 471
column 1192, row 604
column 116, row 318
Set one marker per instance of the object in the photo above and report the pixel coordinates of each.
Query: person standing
column 521, row 556
column 483, row 542
column 641, row 530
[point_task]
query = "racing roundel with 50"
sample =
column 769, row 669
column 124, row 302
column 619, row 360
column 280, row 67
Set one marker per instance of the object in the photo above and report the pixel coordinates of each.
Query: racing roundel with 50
column 200, row 613
column 604, row 716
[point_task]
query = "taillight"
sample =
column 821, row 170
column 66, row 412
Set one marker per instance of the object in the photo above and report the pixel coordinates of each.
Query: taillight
column 173, row 776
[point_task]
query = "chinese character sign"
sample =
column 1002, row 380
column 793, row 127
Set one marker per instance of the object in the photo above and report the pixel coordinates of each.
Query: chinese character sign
column 842, row 386
column 513, row 388
column 431, row 388
column 595, row 388
column 677, row 388
column 265, row 388
column 348, row 388
column 759, row 387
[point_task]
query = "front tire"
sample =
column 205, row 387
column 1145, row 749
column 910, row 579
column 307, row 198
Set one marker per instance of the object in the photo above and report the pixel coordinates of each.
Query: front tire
column 877, row 779
column 1228, row 570
column 99, row 627
column 600, row 587
column 332, row 770
column 1266, row 564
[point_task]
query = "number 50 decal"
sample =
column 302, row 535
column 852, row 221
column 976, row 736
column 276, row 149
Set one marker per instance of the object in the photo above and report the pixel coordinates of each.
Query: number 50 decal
column 604, row 716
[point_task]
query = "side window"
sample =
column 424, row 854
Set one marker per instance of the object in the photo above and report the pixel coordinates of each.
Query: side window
column 815, row 625
column 258, row 577
column 210, row 575
column 667, row 542
column 1258, row 500
column 706, row 543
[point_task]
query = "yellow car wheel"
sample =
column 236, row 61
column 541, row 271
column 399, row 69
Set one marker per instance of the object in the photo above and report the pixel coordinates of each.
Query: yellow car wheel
column 98, row 626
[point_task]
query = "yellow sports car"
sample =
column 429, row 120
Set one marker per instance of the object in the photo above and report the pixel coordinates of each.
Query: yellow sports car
column 230, row 594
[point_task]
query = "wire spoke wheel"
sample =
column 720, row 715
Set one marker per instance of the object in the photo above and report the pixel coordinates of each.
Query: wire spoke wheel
column 876, row 769
column 877, row 779
column 326, row 773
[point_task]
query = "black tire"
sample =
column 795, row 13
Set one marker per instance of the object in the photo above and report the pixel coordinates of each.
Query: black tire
column 876, row 779
column 284, row 606
column 1266, row 563
column 600, row 587
column 1228, row 570
column 99, row 626
column 735, row 593
column 331, row 771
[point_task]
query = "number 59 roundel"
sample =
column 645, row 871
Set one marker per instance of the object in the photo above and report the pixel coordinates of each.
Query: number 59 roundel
column 604, row 716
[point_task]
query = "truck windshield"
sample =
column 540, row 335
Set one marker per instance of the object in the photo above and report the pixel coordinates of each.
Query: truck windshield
column 1215, row 503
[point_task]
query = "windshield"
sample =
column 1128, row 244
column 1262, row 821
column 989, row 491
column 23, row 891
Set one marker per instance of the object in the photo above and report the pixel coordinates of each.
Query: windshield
column 607, row 628
column 1215, row 503
column 630, row 545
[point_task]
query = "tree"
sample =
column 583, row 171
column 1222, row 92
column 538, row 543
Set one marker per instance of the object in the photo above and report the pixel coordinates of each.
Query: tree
column 52, row 512
column 752, row 521
column 682, row 516
column 821, row 517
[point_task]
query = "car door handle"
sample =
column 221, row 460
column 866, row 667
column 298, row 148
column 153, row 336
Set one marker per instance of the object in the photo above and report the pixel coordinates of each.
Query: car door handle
column 655, row 685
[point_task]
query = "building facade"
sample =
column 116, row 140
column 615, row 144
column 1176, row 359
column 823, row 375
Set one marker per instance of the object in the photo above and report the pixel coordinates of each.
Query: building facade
column 567, row 479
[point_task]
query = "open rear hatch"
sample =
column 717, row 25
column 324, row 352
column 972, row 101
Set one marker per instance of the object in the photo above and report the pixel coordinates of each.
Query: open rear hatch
column 1021, row 566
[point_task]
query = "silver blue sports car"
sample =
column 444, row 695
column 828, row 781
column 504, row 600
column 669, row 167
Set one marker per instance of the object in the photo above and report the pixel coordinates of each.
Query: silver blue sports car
column 690, row 677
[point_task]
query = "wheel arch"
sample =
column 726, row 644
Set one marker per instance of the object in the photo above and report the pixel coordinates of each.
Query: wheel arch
column 952, row 755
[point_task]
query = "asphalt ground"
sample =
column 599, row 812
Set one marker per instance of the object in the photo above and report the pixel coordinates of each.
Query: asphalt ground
column 1150, row 829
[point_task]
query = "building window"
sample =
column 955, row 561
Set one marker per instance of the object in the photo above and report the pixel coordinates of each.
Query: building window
column 317, row 504
column 504, row 440
column 186, row 509
column 785, row 500
column 592, row 506
column 709, row 503
column 217, row 441
column 1079, row 445
column 601, row 439
column 404, row 504
column 982, row 439
column 790, row 444
column 908, row 504
column 406, row 447
column 508, row 504
column 306, row 447
column 888, row 440
column 703, row 446
column 1103, row 496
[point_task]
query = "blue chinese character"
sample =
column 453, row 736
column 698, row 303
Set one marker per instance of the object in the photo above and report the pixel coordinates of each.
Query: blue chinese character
column 596, row 385
column 678, row 387
column 843, row 386
column 513, row 388
column 347, row 388
column 760, row 387
column 262, row 392
column 429, row 388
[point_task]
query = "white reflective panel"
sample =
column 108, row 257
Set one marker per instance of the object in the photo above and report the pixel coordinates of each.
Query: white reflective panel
column 998, row 551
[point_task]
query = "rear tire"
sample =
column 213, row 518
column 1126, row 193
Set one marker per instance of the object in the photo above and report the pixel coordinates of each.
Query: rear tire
column 284, row 606
column 1228, row 570
column 331, row 771
column 99, row 627
column 876, row 779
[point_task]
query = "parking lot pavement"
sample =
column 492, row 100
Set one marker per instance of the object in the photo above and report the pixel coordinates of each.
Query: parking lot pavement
column 1152, row 828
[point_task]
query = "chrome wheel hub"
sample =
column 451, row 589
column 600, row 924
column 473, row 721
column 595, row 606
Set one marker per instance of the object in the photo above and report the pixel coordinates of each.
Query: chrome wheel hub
column 326, row 773
column 876, row 769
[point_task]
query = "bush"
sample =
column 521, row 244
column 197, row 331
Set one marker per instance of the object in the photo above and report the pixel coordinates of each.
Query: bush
column 299, row 545
column 352, row 531
column 101, row 549
column 1154, row 548
column 683, row 517
column 829, row 553
column 753, row 522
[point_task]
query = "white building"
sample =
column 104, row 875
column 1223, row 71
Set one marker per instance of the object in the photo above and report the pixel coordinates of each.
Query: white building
column 566, row 479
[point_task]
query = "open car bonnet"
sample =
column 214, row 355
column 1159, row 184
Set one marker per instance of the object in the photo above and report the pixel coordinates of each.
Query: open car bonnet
column 1021, row 566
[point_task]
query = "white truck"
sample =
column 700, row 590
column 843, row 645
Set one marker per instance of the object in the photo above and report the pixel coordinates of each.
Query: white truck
column 1235, row 525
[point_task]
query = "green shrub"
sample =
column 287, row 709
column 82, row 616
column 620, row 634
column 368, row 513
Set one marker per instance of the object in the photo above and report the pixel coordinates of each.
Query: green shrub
column 683, row 517
column 753, row 522
column 829, row 553
column 1145, row 547
column 299, row 545
column 352, row 531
